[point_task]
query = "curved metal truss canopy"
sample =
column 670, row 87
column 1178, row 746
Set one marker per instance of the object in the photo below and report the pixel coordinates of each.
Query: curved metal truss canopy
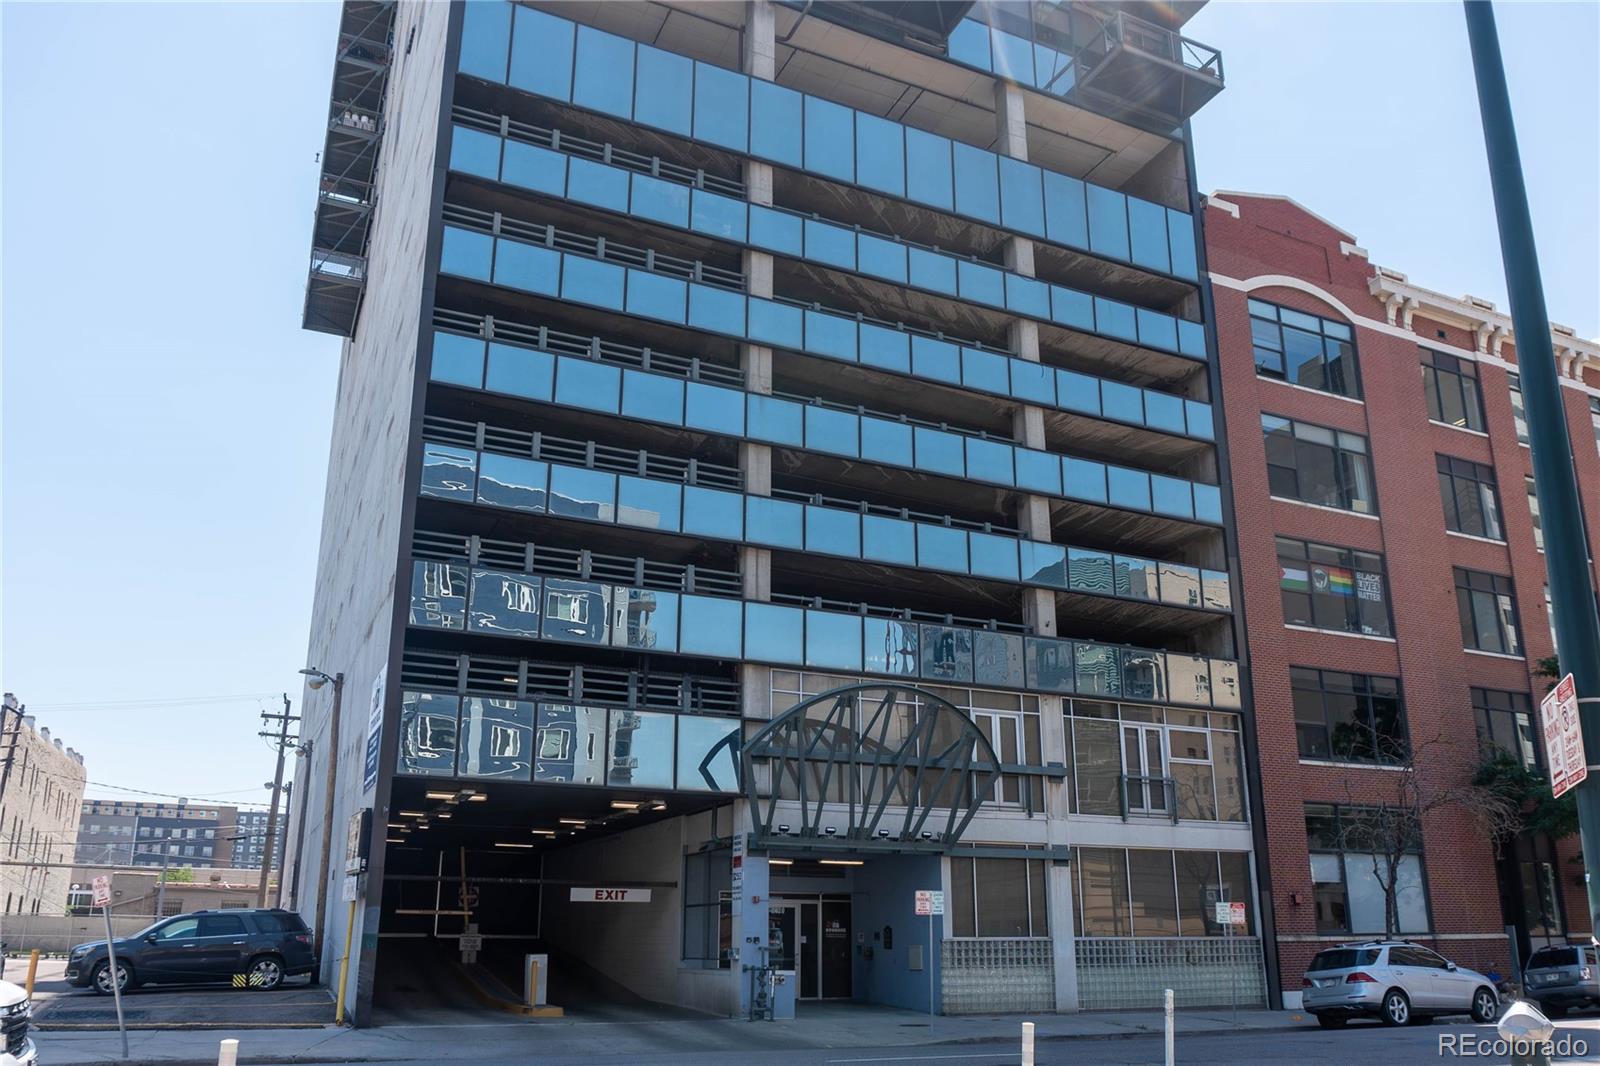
column 907, row 769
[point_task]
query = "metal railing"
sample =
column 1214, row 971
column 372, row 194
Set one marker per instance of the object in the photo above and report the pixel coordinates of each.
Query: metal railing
column 1136, row 34
column 1137, row 795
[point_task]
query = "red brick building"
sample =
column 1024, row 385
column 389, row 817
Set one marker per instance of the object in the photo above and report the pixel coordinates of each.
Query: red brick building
column 1394, row 581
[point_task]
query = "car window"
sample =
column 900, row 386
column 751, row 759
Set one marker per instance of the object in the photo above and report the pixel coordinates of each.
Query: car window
column 1415, row 957
column 1429, row 958
column 1546, row 957
column 1343, row 958
column 276, row 922
column 183, row 927
column 221, row 925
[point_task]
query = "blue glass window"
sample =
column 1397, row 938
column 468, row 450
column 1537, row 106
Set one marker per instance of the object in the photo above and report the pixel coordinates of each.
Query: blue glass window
column 833, row 641
column 881, row 258
column 720, row 216
column 928, row 171
column 466, row 253
column 1128, row 488
column 652, row 619
column 1082, row 479
column 888, row 540
column 1072, row 308
column 1147, row 230
column 883, row 441
column 939, row 451
column 510, row 481
column 653, row 397
column 1099, row 670
column 1026, row 296
column 1091, row 571
column 1049, row 664
column 603, row 76
column 1115, row 319
column 1191, row 338
column 1108, row 222
column 430, row 717
column 657, row 296
column 982, row 284
column 714, row 408
column 1021, row 196
column 880, row 154
column 985, row 370
column 775, row 121
column 886, row 348
column 541, row 53
column 505, row 603
column 989, row 460
column 663, row 90
column 1078, row 392
column 1031, row 381
column 1043, row 564
column 1208, row 503
column 710, row 626
column 997, row 659
column 977, row 183
column 532, row 167
column 830, row 244
column 933, row 270
column 660, row 201
column 520, row 372
column 475, row 152
column 777, row 230
column 993, row 556
column 448, row 473
column 942, row 548
column 1180, row 237
column 579, row 493
column 527, row 267
column 708, row 753
column 1197, row 416
column 648, row 504
column 833, row 531
column 775, row 323
column 779, row 523
column 1122, row 402
column 575, row 611
column 721, row 106
column 833, row 431
column 891, row 647
column 1039, row 471
column 1157, row 330
column 935, row 359
column 457, row 360
column 969, row 43
column 585, row 383
column 778, row 421
column 776, row 634
column 830, row 139
column 1171, row 496
column 1065, row 220
column 1013, row 57
column 1163, row 411
column 946, row 653
column 830, row 335
column 485, row 40
column 713, row 513
column 717, row 310
column 589, row 281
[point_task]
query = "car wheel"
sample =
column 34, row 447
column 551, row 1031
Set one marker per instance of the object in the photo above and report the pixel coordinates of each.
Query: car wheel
column 1331, row 1021
column 1396, row 1008
column 265, row 973
column 1485, row 1007
column 100, row 980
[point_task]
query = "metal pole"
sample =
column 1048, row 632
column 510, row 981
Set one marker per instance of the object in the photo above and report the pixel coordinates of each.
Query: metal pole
column 116, row 978
column 272, row 810
column 1027, row 1044
column 161, row 885
column 327, row 827
column 930, row 962
column 283, row 849
column 1171, row 1024
column 1566, row 557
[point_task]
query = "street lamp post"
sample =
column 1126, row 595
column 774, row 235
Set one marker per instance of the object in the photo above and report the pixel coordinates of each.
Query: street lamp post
column 315, row 679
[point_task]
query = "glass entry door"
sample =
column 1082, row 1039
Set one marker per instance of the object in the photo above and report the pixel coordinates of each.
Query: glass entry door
column 1145, row 766
column 816, row 939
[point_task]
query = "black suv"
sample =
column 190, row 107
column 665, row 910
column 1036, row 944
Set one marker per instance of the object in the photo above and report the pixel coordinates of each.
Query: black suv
column 252, row 948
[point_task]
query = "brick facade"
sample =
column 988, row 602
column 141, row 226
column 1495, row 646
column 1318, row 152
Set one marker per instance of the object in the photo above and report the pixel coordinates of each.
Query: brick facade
column 1272, row 249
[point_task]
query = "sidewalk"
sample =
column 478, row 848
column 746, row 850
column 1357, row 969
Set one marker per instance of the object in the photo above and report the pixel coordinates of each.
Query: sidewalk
column 822, row 1027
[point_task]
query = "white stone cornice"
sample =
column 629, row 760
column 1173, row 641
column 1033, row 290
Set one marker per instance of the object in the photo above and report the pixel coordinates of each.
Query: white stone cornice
column 1408, row 308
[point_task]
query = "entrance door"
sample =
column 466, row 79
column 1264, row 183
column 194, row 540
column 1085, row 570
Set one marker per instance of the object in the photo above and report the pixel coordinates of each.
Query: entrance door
column 1145, row 767
column 817, row 946
column 836, row 958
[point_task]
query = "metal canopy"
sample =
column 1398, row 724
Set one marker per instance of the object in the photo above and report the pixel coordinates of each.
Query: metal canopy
column 860, row 750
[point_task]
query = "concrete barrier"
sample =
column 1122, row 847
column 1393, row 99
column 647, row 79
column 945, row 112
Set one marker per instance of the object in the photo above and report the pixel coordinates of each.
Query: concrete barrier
column 54, row 934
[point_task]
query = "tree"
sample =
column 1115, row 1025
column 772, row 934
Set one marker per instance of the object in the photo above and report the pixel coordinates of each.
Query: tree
column 178, row 875
column 1528, row 791
column 1549, row 668
column 1426, row 778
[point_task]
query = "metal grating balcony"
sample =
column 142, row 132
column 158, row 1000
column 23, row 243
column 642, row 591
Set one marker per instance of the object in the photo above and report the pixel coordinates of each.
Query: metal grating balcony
column 1130, row 69
column 346, row 193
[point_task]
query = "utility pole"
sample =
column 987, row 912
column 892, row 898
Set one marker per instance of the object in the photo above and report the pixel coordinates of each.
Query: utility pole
column 283, row 849
column 282, row 740
column 1566, row 556
column 318, row 679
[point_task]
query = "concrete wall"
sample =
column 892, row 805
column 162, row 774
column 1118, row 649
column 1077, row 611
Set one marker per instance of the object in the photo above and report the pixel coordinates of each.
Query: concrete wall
column 43, row 790
column 885, row 895
column 55, row 933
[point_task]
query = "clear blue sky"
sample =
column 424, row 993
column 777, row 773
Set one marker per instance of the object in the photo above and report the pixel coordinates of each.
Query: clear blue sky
column 166, row 421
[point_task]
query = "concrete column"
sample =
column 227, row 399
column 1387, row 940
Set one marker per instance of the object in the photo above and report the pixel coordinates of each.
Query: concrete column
column 749, row 906
column 1063, row 936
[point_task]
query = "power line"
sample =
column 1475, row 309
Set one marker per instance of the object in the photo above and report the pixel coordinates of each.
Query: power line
column 171, row 701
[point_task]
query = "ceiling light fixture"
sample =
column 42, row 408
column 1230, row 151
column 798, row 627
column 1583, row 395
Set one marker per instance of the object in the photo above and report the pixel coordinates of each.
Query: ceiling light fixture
column 780, row 862
column 440, row 795
column 572, row 821
column 501, row 845
column 478, row 797
column 543, row 832
column 413, row 814
column 624, row 805
column 841, row 862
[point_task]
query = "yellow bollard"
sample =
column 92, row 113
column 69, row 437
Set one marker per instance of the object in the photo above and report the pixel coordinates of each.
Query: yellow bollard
column 344, row 964
column 33, row 969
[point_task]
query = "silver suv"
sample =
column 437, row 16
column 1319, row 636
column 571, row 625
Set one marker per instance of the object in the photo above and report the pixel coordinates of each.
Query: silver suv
column 1394, row 980
column 1563, row 977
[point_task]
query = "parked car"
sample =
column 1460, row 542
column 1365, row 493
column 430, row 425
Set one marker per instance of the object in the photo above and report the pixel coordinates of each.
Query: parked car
column 16, row 1047
column 1395, row 981
column 259, row 947
column 1560, row 978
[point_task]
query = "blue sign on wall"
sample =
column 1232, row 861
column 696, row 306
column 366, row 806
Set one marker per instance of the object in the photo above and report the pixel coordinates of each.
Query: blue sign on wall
column 374, row 732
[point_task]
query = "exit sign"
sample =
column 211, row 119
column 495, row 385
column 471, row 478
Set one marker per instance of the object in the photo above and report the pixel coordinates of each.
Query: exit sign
column 610, row 895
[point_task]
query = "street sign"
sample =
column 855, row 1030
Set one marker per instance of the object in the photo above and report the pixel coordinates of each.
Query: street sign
column 1563, row 737
column 470, row 942
column 929, row 902
column 102, row 891
column 1236, row 913
column 610, row 895
column 369, row 779
column 1224, row 912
